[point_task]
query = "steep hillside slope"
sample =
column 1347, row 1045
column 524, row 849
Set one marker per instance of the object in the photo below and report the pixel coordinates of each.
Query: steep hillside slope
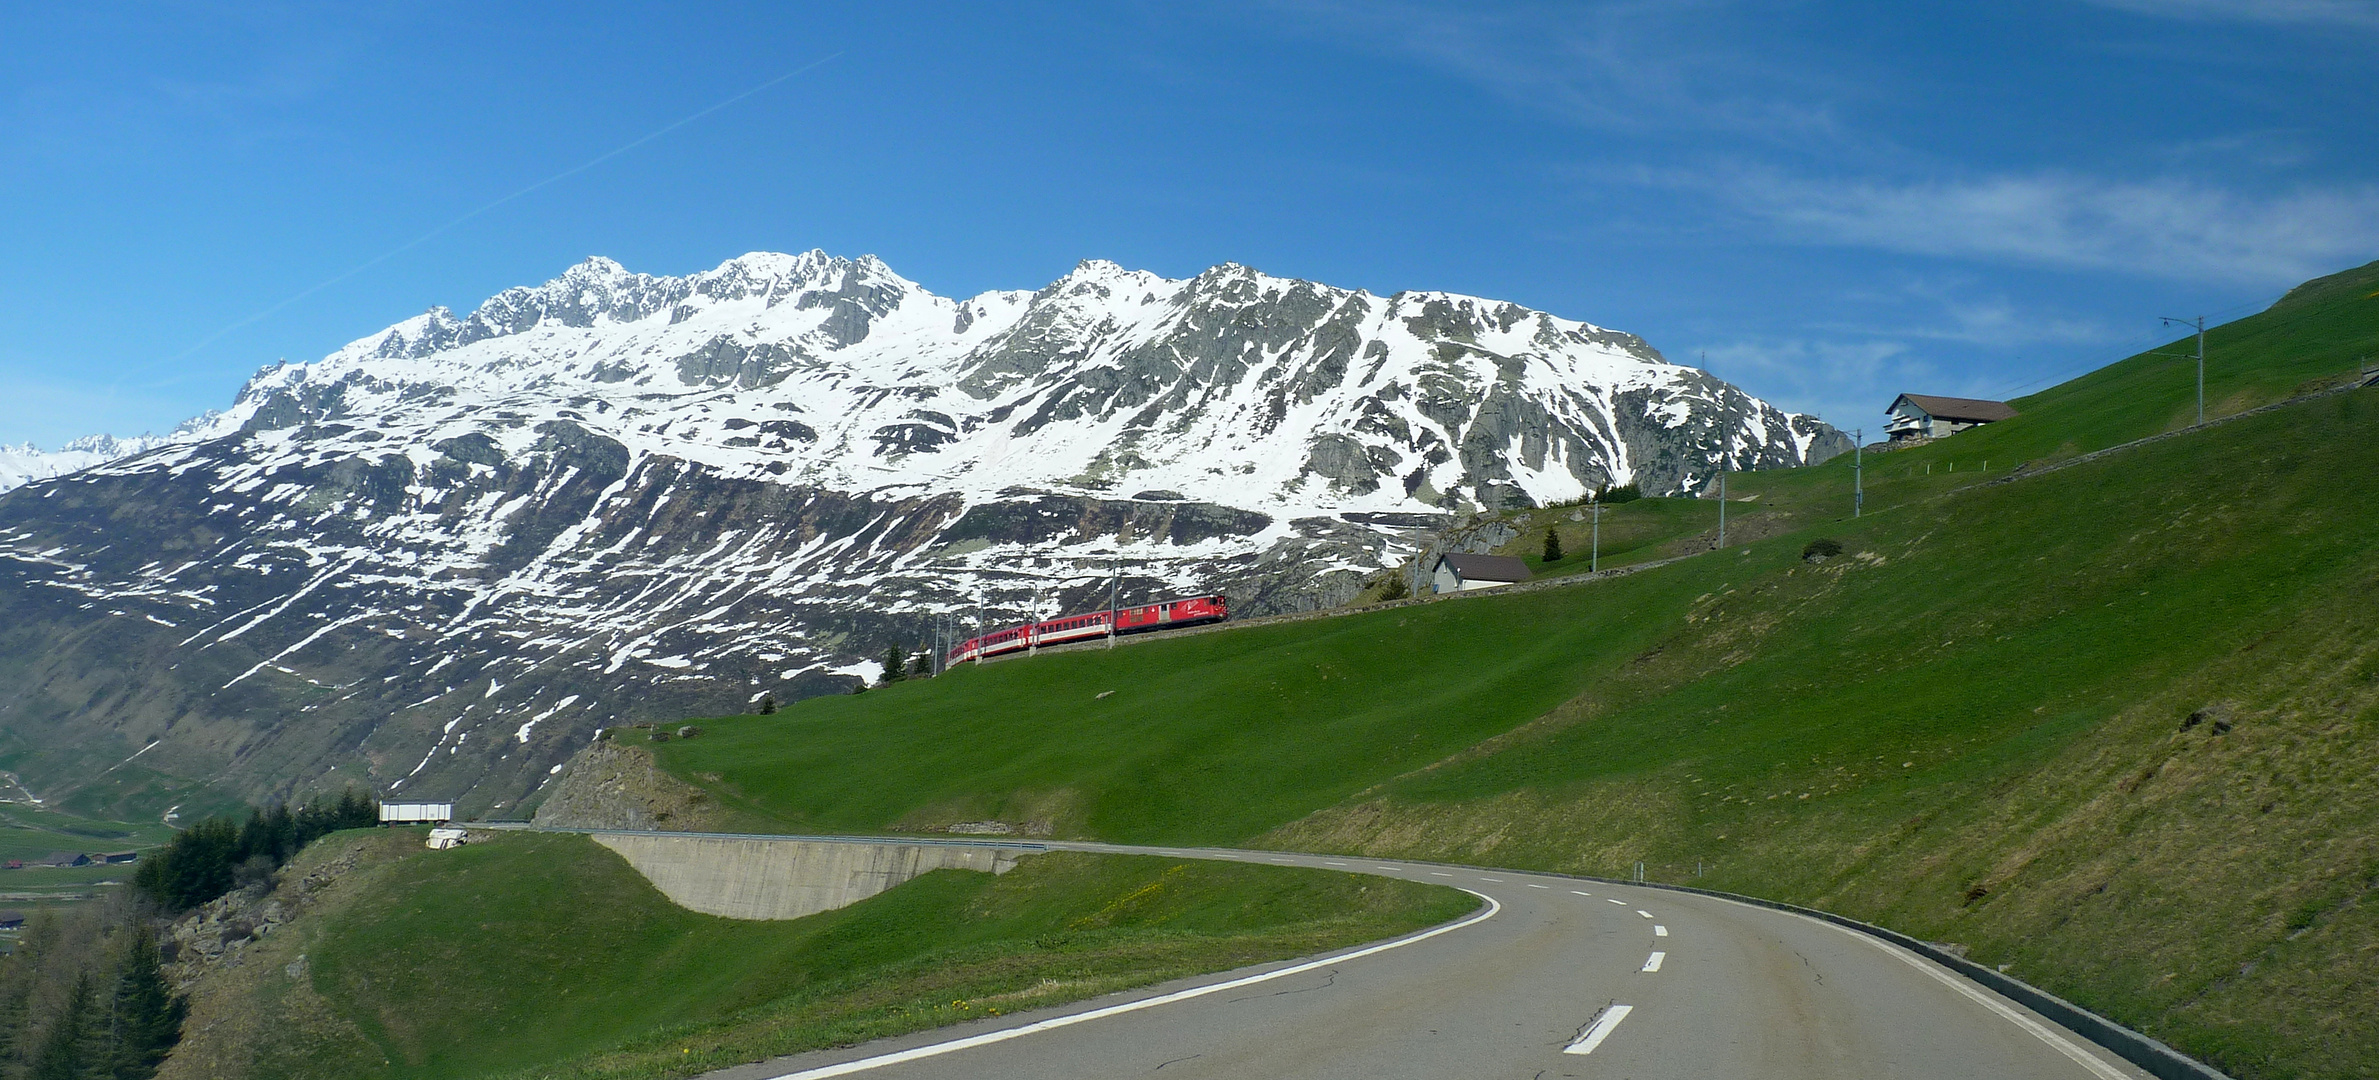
column 2107, row 724
column 434, row 561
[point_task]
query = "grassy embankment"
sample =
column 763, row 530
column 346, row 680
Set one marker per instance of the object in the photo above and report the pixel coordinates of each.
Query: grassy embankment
column 2109, row 725
column 602, row 976
column 2312, row 339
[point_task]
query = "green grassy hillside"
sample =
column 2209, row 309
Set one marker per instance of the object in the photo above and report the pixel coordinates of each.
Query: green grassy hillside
column 2322, row 334
column 2108, row 724
column 388, row 975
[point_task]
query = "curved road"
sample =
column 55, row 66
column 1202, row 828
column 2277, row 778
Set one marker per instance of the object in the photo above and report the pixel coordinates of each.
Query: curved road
column 1552, row 978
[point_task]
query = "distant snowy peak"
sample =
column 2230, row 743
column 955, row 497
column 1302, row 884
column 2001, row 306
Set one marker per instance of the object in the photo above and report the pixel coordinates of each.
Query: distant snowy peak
column 21, row 465
column 1233, row 386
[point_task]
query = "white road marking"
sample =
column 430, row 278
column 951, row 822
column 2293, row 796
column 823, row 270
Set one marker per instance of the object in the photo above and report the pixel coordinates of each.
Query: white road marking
column 1644, row 913
column 1326, row 862
column 987, row 1038
column 1608, row 900
column 1653, row 964
column 1581, row 893
column 1390, row 869
column 1958, row 983
column 1496, row 880
column 1659, row 930
column 1602, row 1028
column 1439, row 873
column 1534, row 885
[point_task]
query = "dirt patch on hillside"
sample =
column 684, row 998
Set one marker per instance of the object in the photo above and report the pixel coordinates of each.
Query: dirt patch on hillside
column 614, row 786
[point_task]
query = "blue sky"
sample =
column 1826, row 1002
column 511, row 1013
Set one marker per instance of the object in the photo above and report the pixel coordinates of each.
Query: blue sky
column 1827, row 204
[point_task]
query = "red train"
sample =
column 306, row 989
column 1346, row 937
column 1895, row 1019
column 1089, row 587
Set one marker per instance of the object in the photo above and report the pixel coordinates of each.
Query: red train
column 1193, row 611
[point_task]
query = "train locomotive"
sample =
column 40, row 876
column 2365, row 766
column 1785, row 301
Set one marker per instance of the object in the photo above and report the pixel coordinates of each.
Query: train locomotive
column 1164, row 615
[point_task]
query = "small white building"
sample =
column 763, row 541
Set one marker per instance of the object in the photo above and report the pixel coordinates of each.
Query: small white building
column 1923, row 416
column 415, row 813
column 1461, row 573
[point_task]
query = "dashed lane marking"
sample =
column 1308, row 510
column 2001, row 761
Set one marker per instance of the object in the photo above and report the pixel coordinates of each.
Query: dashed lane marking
column 1601, row 1029
column 1439, row 873
column 1534, row 885
column 1496, row 880
column 1644, row 913
column 1653, row 963
column 1576, row 892
column 1659, row 930
column 1608, row 900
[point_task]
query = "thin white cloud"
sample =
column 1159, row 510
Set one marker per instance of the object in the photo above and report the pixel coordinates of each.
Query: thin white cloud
column 1847, row 383
column 1663, row 66
column 2359, row 14
column 2169, row 228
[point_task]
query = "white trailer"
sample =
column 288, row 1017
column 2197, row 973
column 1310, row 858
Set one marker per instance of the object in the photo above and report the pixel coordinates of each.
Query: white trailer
column 414, row 813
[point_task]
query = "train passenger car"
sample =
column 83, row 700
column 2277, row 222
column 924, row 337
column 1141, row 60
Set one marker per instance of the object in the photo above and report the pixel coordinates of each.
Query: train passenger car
column 1164, row 615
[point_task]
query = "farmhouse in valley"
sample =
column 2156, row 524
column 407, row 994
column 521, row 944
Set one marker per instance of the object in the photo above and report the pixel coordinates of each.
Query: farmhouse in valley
column 1923, row 416
column 1461, row 573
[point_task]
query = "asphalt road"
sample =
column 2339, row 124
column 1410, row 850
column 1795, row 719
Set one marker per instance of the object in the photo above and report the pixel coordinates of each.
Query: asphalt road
column 1553, row 978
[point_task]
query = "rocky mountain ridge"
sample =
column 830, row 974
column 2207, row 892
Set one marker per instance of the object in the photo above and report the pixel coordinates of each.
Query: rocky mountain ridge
column 434, row 561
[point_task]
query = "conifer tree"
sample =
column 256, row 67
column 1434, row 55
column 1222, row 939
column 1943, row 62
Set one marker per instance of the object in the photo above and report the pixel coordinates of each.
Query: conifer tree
column 1552, row 545
column 767, row 703
column 147, row 1019
column 75, row 1047
column 894, row 664
column 16, row 1021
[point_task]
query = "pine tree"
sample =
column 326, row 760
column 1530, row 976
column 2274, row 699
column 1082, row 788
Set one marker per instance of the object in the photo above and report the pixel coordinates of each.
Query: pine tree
column 75, row 1047
column 767, row 703
column 1552, row 546
column 147, row 1019
column 16, row 1020
column 894, row 665
column 1396, row 588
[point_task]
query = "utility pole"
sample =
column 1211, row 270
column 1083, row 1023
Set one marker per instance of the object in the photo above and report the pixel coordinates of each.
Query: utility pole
column 978, row 628
column 1722, row 504
column 2199, row 323
column 1032, row 625
column 1858, row 472
column 1114, row 592
column 1594, row 554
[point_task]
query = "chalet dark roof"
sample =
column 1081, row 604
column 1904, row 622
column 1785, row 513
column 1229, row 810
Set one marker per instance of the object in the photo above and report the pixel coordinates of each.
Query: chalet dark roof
column 1955, row 408
column 1488, row 567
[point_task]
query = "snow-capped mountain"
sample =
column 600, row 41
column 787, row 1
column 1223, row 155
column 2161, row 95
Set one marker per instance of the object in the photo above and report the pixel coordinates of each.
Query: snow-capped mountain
column 436, row 559
column 25, row 463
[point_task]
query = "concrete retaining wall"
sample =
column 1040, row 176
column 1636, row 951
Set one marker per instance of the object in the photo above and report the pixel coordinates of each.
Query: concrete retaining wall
column 750, row 878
